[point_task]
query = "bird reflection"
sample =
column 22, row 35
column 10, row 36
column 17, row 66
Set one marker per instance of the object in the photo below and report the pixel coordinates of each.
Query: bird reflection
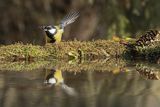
column 55, row 78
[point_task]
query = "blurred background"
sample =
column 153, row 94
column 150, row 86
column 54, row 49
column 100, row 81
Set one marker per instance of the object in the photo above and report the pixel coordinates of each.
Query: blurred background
column 99, row 19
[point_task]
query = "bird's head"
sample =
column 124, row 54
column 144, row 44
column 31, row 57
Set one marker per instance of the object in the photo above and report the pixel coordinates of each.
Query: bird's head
column 50, row 29
column 45, row 28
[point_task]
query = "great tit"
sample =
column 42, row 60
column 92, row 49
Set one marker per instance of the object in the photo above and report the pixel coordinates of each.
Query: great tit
column 54, row 33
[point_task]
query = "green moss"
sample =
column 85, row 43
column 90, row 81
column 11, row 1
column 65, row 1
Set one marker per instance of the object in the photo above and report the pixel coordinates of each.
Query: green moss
column 96, row 49
column 21, row 51
column 89, row 49
column 75, row 50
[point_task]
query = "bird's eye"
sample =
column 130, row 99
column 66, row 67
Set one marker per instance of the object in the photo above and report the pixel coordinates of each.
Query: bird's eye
column 45, row 27
column 49, row 27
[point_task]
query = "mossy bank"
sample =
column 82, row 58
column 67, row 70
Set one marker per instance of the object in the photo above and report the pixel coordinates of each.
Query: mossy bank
column 77, row 50
column 63, row 50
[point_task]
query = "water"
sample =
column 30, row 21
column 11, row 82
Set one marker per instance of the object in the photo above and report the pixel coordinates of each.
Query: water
column 132, row 86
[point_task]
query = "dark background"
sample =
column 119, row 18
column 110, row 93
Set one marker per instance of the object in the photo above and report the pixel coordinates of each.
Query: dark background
column 99, row 19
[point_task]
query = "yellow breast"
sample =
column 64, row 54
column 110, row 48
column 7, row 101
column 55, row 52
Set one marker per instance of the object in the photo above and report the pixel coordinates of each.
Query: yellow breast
column 57, row 36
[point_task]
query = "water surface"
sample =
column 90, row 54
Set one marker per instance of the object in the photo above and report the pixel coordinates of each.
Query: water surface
column 132, row 86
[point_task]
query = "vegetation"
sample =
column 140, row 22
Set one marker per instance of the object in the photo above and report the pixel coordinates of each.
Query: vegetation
column 75, row 50
column 64, row 50
column 19, row 51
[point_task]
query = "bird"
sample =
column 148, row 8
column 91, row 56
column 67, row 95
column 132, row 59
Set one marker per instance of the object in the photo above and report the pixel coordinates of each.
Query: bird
column 54, row 33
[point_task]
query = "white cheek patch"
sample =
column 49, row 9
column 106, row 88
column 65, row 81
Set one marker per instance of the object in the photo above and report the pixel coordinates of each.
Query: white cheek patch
column 52, row 31
column 52, row 81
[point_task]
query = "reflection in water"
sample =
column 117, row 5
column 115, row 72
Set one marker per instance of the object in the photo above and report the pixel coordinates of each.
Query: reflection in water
column 148, row 72
column 54, row 77
column 107, row 88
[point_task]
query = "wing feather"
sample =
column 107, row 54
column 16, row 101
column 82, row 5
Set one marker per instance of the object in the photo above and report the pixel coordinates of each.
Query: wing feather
column 68, row 19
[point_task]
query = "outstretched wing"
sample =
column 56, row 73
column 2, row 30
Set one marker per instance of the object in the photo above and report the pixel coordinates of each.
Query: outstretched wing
column 68, row 19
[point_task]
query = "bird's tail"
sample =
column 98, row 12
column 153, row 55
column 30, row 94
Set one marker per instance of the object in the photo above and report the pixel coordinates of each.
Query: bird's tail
column 68, row 19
